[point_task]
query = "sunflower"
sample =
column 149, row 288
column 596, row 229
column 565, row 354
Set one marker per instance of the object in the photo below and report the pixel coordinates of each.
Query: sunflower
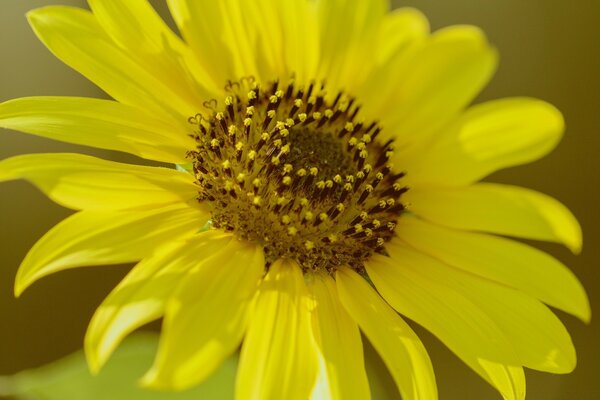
column 326, row 185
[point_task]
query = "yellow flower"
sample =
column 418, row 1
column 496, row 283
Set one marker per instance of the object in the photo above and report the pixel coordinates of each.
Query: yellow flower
column 290, row 224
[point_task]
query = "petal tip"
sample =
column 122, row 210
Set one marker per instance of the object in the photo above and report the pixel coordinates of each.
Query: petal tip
column 21, row 283
column 93, row 356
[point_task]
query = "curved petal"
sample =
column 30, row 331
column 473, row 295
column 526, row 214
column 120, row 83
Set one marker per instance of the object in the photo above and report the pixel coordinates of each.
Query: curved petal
column 83, row 182
column 435, row 81
column 338, row 339
column 348, row 29
column 106, row 237
column 487, row 137
column 504, row 261
column 524, row 324
column 206, row 316
column 74, row 36
column 279, row 359
column 142, row 296
column 509, row 380
column 501, row 209
column 438, row 309
column 447, row 313
column 99, row 123
column 400, row 29
column 136, row 27
column 397, row 344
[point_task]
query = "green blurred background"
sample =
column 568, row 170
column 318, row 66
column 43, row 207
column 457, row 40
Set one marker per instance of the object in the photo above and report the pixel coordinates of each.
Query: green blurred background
column 549, row 49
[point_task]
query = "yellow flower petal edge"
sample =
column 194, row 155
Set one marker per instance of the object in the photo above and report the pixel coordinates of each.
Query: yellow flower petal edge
column 456, row 322
column 400, row 29
column 532, row 331
column 105, row 237
column 75, row 37
column 98, row 123
column 142, row 295
column 138, row 29
column 409, row 363
column 279, row 358
column 438, row 79
column 83, row 182
column 446, row 312
column 206, row 317
column 346, row 54
column 516, row 212
column 509, row 380
column 339, row 342
column 505, row 261
column 488, row 137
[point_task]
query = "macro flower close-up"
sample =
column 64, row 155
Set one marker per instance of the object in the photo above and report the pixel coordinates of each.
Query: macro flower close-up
column 307, row 177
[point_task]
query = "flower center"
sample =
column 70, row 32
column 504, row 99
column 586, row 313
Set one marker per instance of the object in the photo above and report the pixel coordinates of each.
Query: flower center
column 295, row 170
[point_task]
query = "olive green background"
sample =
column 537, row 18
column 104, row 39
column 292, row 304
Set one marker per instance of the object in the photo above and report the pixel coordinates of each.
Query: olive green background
column 549, row 49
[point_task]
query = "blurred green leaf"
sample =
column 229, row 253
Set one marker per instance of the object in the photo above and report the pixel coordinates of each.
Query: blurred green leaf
column 69, row 378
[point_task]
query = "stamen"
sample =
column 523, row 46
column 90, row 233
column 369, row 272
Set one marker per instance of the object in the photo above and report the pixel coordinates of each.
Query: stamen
column 298, row 172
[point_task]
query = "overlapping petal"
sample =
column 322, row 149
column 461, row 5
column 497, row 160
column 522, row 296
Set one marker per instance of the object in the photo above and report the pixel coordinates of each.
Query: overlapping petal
column 408, row 362
column 99, row 123
column 338, row 340
column 487, row 137
column 223, row 42
column 142, row 295
column 496, row 208
column 139, row 30
column 75, row 37
column 400, row 29
column 347, row 53
column 206, row 316
column 106, row 237
column 505, row 261
column 83, row 182
column 522, row 328
column 421, row 90
column 279, row 357
column 509, row 380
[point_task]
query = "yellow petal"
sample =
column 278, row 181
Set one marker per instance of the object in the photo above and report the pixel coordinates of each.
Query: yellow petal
column 300, row 38
column 206, row 317
column 400, row 29
column 501, row 209
column 504, row 261
column 141, row 297
column 137, row 28
column 531, row 330
column 507, row 379
column 456, row 322
column 338, row 339
column 348, row 29
column 106, row 237
column 74, row 36
column 396, row 343
column 488, row 137
column 435, row 81
column 83, row 182
column 449, row 314
column 99, row 123
column 279, row 357
column 218, row 32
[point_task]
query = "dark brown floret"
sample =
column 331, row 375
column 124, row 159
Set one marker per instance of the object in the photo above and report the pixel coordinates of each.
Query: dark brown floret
column 287, row 168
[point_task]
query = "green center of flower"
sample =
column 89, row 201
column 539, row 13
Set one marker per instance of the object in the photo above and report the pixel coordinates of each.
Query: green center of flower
column 296, row 171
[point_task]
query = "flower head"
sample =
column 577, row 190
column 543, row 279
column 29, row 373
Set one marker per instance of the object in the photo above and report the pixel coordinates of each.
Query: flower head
column 326, row 184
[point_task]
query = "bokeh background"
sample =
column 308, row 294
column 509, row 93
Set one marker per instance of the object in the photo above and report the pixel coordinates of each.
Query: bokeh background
column 549, row 49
